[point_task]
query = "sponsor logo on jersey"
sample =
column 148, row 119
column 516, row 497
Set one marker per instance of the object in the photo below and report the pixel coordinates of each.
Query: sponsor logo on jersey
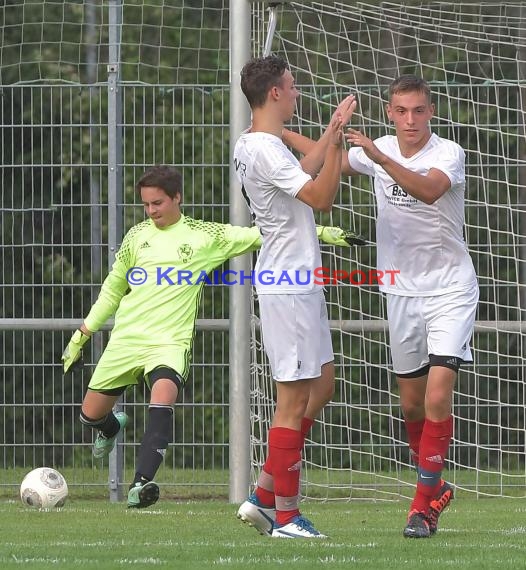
column 397, row 196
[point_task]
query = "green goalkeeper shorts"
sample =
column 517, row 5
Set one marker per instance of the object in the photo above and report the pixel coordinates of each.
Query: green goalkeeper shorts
column 123, row 365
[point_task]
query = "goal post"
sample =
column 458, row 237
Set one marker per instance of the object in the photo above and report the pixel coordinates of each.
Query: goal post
column 239, row 298
column 471, row 56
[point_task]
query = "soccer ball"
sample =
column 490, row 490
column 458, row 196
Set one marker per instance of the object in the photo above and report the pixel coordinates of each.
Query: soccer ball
column 44, row 488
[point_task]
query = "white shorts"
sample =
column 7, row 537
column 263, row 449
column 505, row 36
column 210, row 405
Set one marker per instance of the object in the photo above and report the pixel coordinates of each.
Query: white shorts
column 296, row 335
column 440, row 325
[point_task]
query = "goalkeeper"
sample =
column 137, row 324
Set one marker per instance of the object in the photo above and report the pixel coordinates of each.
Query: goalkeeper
column 154, row 319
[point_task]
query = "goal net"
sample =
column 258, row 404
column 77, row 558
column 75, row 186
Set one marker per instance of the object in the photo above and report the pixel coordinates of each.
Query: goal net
column 474, row 57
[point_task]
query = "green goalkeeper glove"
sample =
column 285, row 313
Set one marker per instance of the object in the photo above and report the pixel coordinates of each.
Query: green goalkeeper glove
column 337, row 236
column 73, row 352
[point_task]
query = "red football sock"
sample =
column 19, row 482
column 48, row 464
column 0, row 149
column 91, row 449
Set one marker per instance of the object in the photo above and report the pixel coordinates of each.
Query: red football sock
column 414, row 434
column 285, row 452
column 265, row 485
column 434, row 445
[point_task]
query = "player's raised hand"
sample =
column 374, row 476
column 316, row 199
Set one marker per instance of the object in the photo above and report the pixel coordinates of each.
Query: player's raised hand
column 357, row 138
column 345, row 109
column 335, row 130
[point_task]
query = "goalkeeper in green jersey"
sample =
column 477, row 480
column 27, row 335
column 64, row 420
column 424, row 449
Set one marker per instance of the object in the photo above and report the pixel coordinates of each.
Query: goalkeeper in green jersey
column 155, row 314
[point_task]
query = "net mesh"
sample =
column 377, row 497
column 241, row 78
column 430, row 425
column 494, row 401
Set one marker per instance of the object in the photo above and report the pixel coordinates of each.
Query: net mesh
column 472, row 56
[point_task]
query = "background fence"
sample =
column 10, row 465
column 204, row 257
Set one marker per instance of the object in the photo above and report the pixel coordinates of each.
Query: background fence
column 94, row 92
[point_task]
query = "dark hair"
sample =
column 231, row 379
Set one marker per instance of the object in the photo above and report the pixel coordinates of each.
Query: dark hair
column 259, row 75
column 408, row 84
column 167, row 178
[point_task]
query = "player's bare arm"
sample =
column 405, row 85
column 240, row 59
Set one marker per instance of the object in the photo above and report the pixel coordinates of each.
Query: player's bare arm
column 321, row 192
column 85, row 330
column 314, row 151
column 427, row 189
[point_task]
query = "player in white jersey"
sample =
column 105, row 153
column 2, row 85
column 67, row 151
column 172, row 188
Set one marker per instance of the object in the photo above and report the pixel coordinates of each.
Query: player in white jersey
column 281, row 194
column 419, row 181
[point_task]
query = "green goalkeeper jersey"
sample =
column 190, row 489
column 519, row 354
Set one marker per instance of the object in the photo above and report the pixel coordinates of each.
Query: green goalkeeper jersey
column 154, row 287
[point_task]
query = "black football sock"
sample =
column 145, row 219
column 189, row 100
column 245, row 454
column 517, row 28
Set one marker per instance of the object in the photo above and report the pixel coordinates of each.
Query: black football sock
column 108, row 425
column 156, row 438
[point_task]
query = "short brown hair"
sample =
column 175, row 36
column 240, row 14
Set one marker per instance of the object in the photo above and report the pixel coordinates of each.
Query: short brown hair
column 409, row 84
column 167, row 178
column 259, row 75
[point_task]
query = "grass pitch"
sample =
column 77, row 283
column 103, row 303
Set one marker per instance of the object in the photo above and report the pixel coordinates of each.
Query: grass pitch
column 479, row 534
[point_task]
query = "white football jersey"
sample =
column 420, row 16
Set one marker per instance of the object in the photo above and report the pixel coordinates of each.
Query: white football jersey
column 423, row 243
column 271, row 176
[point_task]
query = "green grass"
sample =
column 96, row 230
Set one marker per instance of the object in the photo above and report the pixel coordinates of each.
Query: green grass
column 479, row 534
